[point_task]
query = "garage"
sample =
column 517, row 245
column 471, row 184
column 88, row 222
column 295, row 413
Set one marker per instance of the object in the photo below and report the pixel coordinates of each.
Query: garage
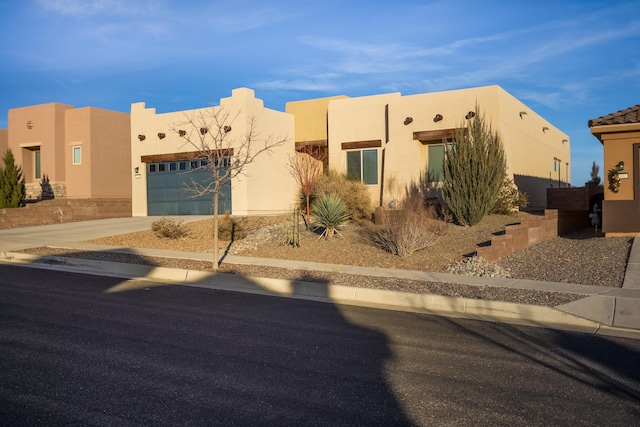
column 167, row 192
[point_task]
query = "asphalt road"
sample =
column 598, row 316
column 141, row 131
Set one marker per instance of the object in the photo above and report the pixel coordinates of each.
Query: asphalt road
column 86, row 350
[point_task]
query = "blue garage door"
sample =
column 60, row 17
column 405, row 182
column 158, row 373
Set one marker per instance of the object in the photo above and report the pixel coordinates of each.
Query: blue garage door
column 167, row 192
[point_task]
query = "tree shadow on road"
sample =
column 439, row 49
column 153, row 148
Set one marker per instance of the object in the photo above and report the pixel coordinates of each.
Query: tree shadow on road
column 579, row 363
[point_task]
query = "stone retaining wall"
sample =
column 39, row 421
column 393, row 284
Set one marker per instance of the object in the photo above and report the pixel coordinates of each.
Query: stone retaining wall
column 520, row 236
column 64, row 210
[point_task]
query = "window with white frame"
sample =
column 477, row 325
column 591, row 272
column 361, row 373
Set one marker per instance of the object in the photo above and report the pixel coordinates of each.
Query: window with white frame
column 363, row 166
column 76, row 154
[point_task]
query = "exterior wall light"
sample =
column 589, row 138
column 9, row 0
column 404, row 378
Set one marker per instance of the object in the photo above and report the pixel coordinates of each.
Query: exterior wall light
column 29, row 124
column 161, row 135
column 182, row 132
column 408, row 120
column 544, row 129
column 620, row 166
column 523, row 113
column 438, row 117
column 141, row 137
column 227, row 129
column 564, row 141
column 203, row 131
column 136, row 169
column 470, row 115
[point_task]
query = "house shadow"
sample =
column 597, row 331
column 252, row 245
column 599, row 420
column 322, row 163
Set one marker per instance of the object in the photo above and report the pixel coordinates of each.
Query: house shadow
column 579, row 361
column 224, row 349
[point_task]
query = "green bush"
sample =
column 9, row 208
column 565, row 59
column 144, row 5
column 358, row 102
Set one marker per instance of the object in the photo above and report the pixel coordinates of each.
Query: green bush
column 353, row 193
column 412, row 227
column 229, row 229
column 329, row 212
column 510, row 199
column 12, row 187
column 169, row 228
column 474, row 168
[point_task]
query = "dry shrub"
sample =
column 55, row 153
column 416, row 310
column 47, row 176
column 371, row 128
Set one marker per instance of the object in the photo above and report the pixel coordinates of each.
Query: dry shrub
column 353, row 193
column 290, row 229
column 510, row 199
column 410, row 228
column 229, row 229
column 169, row 228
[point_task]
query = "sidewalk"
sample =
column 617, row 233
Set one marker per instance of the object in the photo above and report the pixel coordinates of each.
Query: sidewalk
column 604, row 310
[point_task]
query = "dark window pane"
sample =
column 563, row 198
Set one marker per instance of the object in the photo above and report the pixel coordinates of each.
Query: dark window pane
column 37, row 162
column 435, row 163
column 354, row 165
column 370, row 167
column 152, row 168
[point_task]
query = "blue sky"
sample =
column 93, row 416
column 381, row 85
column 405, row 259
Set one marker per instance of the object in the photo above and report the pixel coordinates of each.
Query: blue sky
column 570, row 61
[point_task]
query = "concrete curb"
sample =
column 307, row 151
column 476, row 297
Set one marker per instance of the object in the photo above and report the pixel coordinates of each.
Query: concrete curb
column 494, row 311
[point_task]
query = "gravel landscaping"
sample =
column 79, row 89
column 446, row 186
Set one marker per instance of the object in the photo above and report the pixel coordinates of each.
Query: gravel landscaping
column 581, row 258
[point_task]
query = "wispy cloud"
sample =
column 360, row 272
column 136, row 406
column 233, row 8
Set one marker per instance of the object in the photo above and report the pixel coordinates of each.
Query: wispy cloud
column 305, row 85
column 85, row 8
column 579, row 91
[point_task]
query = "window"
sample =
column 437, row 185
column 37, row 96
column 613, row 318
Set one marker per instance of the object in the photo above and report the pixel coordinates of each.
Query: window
column 36, row 161
column 435, row 163
column 77, row 155
column 363, row 165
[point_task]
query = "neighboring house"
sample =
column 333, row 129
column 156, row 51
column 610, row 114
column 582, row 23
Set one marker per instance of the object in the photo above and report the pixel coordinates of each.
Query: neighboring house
column 164, row 164
column 311, row 125
column 71, row 152
column 619, row 133
column 4, row 141
column 393, row 138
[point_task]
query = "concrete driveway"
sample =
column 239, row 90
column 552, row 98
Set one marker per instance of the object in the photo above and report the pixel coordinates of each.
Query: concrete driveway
column 13, row 239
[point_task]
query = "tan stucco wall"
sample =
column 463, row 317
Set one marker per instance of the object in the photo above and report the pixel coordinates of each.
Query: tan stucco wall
column 4, row 141
column 618, row 143
column 78, row 133
column 266, row 186
column 104, row 137
column 530, row 151
column 47, row 132
column 310, row 118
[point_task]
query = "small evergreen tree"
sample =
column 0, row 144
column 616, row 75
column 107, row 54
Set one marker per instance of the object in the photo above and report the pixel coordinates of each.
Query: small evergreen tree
column 595, row 172
column 12, row 188
column 474, row 169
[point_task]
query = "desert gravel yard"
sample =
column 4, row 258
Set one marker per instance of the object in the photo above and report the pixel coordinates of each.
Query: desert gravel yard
column 581, row 258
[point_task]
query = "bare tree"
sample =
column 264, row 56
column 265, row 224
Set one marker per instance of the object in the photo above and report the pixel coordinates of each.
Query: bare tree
column 225, row 153
column 305, row 170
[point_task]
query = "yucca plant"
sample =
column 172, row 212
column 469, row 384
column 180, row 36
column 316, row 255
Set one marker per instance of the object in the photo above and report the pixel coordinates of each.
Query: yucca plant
column 329, row 212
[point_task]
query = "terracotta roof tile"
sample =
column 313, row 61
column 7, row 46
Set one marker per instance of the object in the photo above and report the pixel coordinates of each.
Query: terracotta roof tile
column 630, row 115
